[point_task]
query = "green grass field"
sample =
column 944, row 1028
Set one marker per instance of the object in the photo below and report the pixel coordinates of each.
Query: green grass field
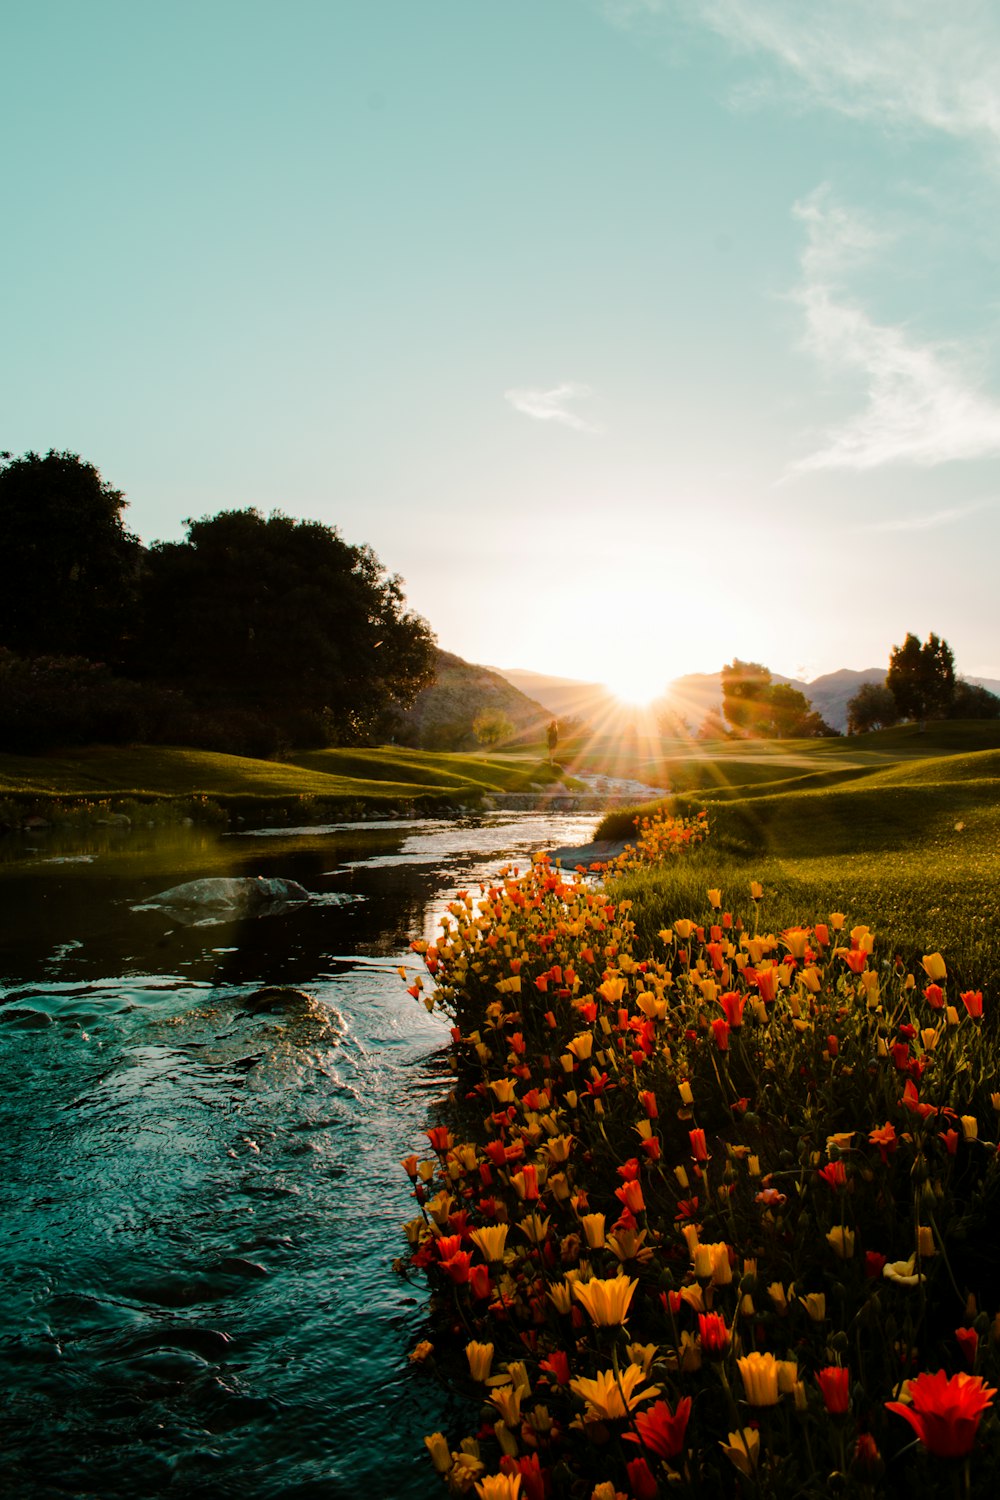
column 383, row 775
column 901, row 832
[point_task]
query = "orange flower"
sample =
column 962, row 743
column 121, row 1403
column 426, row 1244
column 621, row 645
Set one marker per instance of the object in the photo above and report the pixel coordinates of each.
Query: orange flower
column 945, row 1413
column 699, row 1146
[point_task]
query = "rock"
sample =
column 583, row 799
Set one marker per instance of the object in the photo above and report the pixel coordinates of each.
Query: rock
column 222, row 898
column 275, row 997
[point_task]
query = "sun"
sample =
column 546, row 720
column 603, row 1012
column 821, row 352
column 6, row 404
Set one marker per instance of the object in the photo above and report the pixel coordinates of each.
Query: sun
column 635, row 683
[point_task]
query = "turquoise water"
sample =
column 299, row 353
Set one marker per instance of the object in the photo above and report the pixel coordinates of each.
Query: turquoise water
column 201, row 1202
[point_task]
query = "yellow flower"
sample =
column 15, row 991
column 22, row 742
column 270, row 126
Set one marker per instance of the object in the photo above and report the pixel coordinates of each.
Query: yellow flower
column 902, row 1272
column 684, row 928
column 534, row 1227
column 558, row 1147
column 970, row 1127
column 611, row 1397
column 760, row 1378
column 491, row 1240
column 756, row 890
column 841, row 1241
column 503, row 1090
column 507, row 1400
column 743, row 1450
column 837, row 920
column 582, row 1045
column 421, row 1351
column 642, row 1355
column 684, row 1089
column 606, row 1491
column 607, row 1301
column 788, row 1374
column 480, row 1357
column 593, row 1228
column 499, row 1487
column 815, row 1305
column 439, row 1452
column 715, row 899
column 560, row 1294
column 934, row 966
column 925, row 1241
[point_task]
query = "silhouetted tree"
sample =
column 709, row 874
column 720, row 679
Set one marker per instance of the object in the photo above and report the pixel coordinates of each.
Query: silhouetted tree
column 872, row 707
column 761, row 709
column 746, row 687
column 921, row 678
column 70, row 570
column 491, row 726
column 972, row 701
column 284, row 618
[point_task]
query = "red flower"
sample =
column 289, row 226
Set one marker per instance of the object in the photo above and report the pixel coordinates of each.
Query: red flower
column 699, row 1147
column 968, row 1342
column 480, row 1284
column 934, row 995
column 661, row 1430
column 641, row 1479
column 720, row 1031
column 945, row 1413
column 648, row 1101
column 557, row 1365
column 834, row 1174
column 835, row 1387
column 714, row 1333
column 733, row 1004
column 973, row 1002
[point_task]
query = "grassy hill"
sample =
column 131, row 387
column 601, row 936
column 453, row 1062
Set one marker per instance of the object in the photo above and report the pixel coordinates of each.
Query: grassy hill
column 386, row 776
column 900, row 830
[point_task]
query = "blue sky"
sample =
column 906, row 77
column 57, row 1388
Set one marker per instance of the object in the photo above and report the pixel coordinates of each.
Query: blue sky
column 635, row 335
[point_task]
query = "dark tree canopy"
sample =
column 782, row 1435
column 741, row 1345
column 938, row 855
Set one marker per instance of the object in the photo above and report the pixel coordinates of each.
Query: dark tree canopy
column 758, row 708
column 973, row 701
column 872, row 707
column 921, row 678
column 273, row 615
column 70, row 571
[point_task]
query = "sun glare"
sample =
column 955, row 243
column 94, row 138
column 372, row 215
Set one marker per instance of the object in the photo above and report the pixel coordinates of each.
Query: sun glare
column 635, row 685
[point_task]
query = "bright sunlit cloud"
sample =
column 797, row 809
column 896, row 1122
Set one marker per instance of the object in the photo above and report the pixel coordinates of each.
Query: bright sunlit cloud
column 553, row 405
column 924, row 65
column 922, row 407
column 937, row 518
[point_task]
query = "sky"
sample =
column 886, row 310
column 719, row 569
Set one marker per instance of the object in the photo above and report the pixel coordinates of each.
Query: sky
column 635, row 335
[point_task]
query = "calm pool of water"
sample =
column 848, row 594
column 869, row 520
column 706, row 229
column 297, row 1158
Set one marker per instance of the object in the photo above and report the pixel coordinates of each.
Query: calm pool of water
column 200, row 1203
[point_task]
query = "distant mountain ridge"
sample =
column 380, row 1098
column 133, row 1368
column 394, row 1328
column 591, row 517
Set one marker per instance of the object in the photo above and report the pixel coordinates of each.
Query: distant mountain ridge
column 699, row 693
column 442, row 714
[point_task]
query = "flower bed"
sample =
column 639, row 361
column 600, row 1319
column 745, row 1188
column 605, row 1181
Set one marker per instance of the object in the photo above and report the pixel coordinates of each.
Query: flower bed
column 722, row 1216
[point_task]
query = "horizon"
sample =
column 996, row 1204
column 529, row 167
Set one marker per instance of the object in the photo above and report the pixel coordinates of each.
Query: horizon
column 633, row 334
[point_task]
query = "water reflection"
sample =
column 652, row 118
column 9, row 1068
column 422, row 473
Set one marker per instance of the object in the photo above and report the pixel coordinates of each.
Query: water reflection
column 203, row 1199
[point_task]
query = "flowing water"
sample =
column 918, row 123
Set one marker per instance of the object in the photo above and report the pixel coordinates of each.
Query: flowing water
column 202, row 1199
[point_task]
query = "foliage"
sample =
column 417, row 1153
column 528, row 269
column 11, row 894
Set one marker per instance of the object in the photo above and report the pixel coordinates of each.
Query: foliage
column 491, row 727
column 71, row 570
column 721, row 1191
column 971, row 701
column 284, row 617
column 872, row 707
column 921, row 678
column 759, row 708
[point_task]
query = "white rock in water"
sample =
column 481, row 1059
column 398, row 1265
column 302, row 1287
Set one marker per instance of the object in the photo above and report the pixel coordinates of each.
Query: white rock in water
column 251, row 893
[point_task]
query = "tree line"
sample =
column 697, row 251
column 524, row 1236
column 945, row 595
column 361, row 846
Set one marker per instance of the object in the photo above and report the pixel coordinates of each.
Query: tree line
column 253, row 633
column 919, row 685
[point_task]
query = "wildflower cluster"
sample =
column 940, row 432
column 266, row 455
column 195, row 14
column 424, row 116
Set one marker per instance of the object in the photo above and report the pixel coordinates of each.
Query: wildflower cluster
column 719, row 1210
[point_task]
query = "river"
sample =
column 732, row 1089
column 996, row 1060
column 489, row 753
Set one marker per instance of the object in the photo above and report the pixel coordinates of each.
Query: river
column 201, row 1202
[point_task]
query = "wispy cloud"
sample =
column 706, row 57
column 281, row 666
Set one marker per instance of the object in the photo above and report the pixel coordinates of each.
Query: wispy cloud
column 922, row 406
column 932, row 522
column 553, row 405
column 906, row 62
